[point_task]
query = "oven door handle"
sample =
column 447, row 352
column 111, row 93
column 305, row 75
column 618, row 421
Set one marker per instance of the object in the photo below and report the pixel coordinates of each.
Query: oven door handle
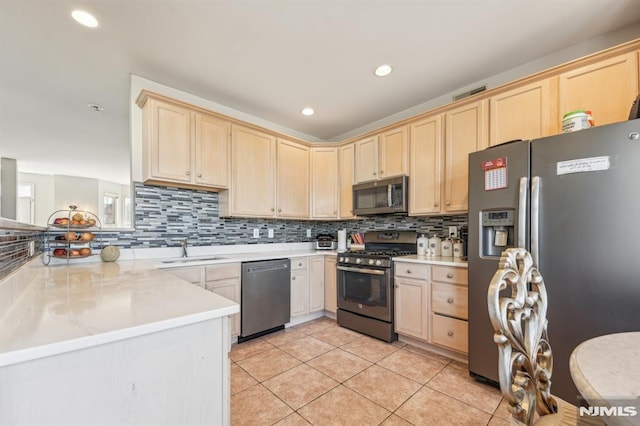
column 361, row 270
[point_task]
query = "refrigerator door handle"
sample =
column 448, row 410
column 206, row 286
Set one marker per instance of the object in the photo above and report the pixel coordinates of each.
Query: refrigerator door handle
column 535, row 219
column 522, row 212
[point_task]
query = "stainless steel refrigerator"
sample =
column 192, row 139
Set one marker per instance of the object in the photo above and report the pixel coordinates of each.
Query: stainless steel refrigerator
column 573, row 200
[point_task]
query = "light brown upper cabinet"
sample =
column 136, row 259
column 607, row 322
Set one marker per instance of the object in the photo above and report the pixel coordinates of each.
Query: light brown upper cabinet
column 606, row 88
column 466, row 132
column 183, row 146
column 525, row 112
column 253, row 174
column 293, row 180
column 382, row 156
column 346, row 158
column 324, row 182
column 366, row 159
column 426, row 161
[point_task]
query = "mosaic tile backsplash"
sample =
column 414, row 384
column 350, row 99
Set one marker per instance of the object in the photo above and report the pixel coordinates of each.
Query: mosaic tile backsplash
column 14, row 249
column 166, row 215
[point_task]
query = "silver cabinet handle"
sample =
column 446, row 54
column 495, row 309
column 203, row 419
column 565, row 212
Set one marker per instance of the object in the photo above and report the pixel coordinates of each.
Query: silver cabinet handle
column 300, row 264
column 449, row 275
column 535, row 220
column 374, row 173
column 450, row 333
column 188, row 173
column 199, row 174
column 381, row 172
column 450, row 300
column 408, row 271
column 272, row 209
column 293, row 278
column 448, row 203
column 279, row 210
column 522, row 212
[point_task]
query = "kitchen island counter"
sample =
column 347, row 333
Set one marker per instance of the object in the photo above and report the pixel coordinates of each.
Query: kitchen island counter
column 126, row 342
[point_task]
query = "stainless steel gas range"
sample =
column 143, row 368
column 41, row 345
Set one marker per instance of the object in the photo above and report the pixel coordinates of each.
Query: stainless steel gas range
column 365, row 283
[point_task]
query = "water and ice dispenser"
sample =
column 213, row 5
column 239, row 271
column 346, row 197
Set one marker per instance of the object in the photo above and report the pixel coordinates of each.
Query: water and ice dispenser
column 497, row 231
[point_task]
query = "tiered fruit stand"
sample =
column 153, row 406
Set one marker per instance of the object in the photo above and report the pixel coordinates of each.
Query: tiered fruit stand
column 71, row 234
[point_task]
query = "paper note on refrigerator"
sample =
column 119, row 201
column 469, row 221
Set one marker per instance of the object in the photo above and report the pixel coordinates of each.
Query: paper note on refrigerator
column 580, row 165
column 495, row 174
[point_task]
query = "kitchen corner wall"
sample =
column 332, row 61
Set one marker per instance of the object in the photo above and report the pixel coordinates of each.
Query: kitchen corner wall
column 166, row 215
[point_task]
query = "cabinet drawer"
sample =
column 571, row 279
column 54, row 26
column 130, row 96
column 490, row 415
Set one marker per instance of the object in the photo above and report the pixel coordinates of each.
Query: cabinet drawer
column 448, row 299
column 298, row 263
column 192, row 275
column 449, row 332
column 447, row 274
column 219, row 272
column 411, row 270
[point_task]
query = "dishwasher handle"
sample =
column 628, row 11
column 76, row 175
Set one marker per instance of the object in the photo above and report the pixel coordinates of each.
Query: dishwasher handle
column 267, row 268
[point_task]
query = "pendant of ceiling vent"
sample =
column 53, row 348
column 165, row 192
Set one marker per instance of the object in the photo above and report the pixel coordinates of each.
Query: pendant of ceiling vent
column 469, row 93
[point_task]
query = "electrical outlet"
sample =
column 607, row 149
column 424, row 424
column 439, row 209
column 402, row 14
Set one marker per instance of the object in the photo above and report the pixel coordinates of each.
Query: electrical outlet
column 270, row 233
column 308, row 233
column 256, row 233
column 453, row 231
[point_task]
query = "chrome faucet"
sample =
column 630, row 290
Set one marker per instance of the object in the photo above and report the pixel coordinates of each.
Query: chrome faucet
column 183, row 243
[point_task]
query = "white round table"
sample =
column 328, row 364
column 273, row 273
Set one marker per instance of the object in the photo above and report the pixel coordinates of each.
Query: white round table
column 606, row 371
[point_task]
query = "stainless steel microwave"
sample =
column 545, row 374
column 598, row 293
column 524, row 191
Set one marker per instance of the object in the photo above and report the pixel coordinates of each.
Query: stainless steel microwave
column 380, row 197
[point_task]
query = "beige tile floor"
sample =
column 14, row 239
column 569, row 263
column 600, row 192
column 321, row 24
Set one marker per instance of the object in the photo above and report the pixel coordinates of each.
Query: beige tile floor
column 322, row 374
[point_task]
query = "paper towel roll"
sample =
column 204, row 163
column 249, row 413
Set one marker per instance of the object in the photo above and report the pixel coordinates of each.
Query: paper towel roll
column 342, row 239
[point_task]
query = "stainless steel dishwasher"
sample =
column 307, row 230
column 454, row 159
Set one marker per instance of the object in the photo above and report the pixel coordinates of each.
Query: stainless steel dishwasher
column 265, row 300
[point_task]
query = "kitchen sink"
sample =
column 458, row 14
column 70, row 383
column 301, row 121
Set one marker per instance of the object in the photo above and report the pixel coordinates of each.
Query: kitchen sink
column 192, row 259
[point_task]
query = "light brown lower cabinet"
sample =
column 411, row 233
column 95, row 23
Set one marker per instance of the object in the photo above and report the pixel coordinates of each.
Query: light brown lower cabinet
column 431, row 304
column 330, row 284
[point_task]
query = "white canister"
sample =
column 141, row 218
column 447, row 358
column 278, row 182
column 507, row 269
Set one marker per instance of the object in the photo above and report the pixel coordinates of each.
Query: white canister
column 423, row 245
column 434, row 246
column 447, row 248
column 457, row 248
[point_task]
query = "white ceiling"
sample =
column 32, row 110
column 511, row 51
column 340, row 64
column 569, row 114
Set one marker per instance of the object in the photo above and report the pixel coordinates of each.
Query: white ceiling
column 265, row 58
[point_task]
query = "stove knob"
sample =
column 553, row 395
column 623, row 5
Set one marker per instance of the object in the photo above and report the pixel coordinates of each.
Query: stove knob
column 378, row 262
column 358, row 260
column 371, row 261
column 341, row 259
column 347, row 260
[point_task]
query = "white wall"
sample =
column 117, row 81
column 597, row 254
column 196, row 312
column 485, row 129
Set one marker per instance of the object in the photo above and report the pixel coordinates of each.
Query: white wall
column 44, row 195
column 78, row 191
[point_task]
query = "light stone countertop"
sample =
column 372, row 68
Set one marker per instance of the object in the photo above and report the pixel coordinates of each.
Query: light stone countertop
column 606, row 371
column 57, row 309
column 48, row 310
column 438, row 260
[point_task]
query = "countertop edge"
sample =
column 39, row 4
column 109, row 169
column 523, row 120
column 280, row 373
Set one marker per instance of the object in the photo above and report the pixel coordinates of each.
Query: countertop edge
column 441, row 261
column 101, row 338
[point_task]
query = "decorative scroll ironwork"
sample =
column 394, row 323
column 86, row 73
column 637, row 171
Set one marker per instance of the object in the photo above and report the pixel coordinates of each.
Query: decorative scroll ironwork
column 520, row 325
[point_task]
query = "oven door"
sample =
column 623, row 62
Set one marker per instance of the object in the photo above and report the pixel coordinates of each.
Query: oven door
column 366, row 291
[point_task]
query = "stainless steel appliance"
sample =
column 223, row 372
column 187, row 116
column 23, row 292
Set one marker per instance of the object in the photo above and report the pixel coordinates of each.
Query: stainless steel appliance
column 380, row 197
column 265, row 300
column 325, row 242
column 365, row 283
column 572, row 201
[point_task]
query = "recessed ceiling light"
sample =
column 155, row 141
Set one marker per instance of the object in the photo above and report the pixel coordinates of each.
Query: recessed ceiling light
column 307, row 111
column 383, row 70
column 84, row 18
column 96, row 107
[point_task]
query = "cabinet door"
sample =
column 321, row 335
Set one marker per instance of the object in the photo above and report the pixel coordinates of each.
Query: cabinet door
column 253, row 168
column 606, row 88
column 324, row 182
column 299, row 286
column 466, row 132
column 527, row 112
column 316, row 284
column 366, row 160
column 411, row 308
column 426, row 150
column 189, row 274
column 393, row 147
column 169, row 139
column 330, row 284
column 211, row 151
column 346, row 159
column 293, row 180
column 229, row 289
